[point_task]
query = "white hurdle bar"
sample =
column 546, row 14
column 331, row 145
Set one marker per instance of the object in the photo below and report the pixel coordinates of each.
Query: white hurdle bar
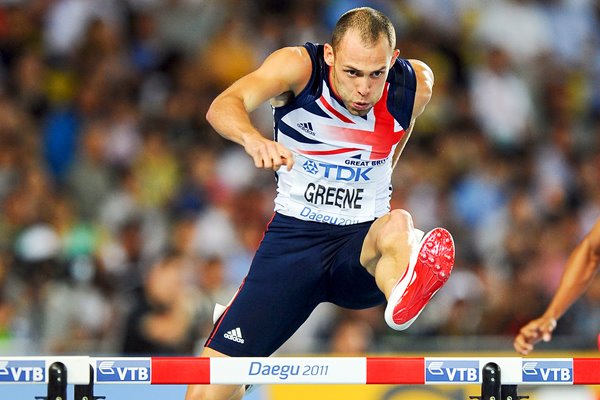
column 35, row 369
column 302, row 370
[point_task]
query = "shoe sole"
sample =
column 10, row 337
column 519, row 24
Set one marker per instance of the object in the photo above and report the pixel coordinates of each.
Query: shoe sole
column 435, row 259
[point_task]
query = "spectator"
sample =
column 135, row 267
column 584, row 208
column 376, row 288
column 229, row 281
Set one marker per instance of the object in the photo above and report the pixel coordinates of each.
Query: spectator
column 161, row 320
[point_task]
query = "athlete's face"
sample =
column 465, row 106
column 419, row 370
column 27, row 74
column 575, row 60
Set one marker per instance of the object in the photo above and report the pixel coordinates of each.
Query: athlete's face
column 358, row 71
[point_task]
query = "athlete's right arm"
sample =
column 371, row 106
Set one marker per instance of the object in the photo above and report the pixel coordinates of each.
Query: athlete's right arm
column 285, row 70
column 579, row 271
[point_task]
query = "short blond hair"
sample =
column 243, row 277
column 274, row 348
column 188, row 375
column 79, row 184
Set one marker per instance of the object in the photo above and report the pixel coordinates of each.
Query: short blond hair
column 368, row 22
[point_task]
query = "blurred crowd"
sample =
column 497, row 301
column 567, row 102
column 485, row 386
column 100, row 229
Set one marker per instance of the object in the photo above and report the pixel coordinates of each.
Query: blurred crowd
column 124, row 217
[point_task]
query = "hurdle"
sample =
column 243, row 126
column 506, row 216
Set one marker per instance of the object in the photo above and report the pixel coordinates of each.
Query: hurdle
column 499, row 377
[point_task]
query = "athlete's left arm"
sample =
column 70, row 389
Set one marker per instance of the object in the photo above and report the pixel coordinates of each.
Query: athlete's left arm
column 424, row 76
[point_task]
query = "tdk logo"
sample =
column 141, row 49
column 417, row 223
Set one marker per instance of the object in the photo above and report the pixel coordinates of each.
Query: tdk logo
column 346, row 174
column 115, row 370
column 452, row 371
column 338, row 172
column 22, row 371
column 547, row 371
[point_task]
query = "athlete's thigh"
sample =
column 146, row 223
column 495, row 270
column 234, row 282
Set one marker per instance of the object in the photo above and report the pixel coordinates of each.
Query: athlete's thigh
column 282, row 288
column 350, row 284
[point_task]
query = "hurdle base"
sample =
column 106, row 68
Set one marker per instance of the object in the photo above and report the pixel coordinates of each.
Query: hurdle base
column 507, row 392
column 492, row 387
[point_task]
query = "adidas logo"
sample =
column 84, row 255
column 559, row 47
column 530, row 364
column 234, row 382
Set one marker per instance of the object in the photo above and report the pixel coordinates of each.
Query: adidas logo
column 306, row 127
column 235, row 335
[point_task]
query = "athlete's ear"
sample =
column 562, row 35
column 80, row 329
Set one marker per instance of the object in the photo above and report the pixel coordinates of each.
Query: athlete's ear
column 328, row 54
column 394, row 57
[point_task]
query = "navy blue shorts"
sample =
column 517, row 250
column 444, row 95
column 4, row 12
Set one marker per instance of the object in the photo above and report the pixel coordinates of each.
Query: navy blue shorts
column 298, row 265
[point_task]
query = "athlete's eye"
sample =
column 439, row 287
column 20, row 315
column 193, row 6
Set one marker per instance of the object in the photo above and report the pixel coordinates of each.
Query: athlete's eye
column 377, row 74
column 352, row 72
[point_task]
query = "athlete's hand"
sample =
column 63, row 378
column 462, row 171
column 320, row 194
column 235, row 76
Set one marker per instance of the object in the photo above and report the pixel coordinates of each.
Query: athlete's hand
column 536, row 330
column 267, row 153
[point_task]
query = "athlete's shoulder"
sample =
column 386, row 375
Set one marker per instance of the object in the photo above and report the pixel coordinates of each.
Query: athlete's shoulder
column 294, row 57
column 424, row 77
column 313, row 71
column 403, row 74
column 296, row 53
column 423, row 72
column 293, row 64
column 402, row 91
column 314, row 50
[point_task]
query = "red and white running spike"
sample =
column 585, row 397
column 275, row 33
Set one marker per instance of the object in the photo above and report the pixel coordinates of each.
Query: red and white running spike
column 427, row 272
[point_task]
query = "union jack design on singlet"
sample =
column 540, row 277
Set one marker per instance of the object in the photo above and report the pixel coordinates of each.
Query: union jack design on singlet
column 343, row 162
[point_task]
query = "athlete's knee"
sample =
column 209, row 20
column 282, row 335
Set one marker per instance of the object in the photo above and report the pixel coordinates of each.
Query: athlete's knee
column 195, row 392
column 198, row 392
column 397, row 232
column 401, row 217
column 214, row 392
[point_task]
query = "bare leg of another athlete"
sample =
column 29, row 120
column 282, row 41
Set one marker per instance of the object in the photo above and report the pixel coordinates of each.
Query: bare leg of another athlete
column 407, row 269
column 214, row 392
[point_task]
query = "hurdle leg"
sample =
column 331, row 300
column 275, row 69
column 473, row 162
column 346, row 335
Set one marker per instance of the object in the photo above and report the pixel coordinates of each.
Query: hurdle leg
column 491, row 385
column 509, row 392
column 57, row 381
column 86, row 392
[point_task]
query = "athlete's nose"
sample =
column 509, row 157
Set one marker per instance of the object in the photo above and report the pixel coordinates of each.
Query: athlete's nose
column 363, row 86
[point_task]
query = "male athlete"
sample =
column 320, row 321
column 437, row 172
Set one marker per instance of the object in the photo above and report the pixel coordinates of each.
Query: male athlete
column 343, row 113
column 579, row 271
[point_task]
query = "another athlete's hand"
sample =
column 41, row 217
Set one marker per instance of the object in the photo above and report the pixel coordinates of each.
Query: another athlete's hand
column 267, row 153
column 536, row 330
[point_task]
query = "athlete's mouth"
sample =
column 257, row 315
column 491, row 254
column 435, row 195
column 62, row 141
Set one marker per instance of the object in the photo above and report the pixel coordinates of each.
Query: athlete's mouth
column 361, row 106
